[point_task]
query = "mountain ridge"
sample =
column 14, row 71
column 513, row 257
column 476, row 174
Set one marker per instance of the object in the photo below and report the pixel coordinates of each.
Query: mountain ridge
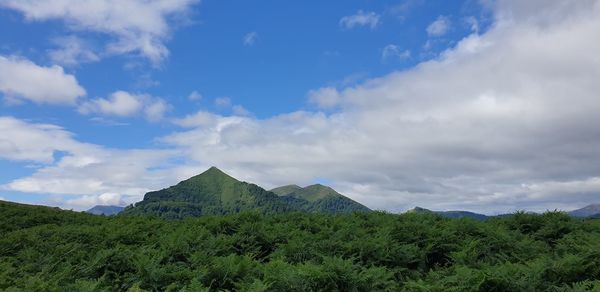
column 592, row 210
column 320, row 198
column 214, row 192
column 455, row 214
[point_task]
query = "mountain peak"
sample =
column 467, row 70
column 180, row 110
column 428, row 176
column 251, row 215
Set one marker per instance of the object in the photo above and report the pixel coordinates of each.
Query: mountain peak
column 214, row 173
column 214, row 169
column 418, row 209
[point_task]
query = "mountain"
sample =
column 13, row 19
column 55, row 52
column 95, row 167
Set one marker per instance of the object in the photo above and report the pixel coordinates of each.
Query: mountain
column 212, row 192
column 105, row 210
column 451, row 214
column 587, row 211
column 285, row 190
column 318, row 199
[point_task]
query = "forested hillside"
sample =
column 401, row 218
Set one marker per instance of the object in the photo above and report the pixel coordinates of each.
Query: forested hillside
column 318, row 199
column 46, row 249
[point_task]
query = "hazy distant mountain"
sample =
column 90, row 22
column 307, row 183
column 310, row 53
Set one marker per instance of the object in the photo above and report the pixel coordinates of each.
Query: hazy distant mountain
column 587, row 211
column 319, row 199
column 105, row 210
column 212, row 192
column 451, row 214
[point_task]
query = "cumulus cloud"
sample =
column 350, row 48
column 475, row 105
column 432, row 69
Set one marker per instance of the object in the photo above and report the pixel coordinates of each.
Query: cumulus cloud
column 504, row 120
column 393, row 51
column 21, row 79
column 137, row 26
column 250, row 38
column 125, row 104
column 439, row 27
column 361, row 18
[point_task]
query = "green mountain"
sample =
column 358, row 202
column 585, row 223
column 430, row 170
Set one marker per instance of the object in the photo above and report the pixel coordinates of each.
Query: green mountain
column 450, row 214
column 318, row 199
column 212, row 192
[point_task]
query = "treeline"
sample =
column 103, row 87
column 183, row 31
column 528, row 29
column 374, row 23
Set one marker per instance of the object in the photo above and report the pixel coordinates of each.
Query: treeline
column 44, row 249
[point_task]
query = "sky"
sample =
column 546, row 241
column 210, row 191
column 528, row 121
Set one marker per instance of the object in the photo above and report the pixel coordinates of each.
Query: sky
column 482, row 105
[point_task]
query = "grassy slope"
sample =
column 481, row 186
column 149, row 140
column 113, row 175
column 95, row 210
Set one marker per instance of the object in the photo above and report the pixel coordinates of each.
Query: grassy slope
column 212, row 192
column 320, row 198
column 285, row 190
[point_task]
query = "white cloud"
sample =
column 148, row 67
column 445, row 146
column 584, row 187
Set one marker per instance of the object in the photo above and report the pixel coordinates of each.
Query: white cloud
column 223, row 102
column 439, row 27
column 125, row 104
column 250, row 38
column 137, row 26
column 32, row 142
column 450, row 133
column 195, row 96
column 20, row 79
column 505, row 120
column 85, row 174
column 196, row 120
column 361, row 18
column 404, row 9
column 106, row 199
column 326, row 97
column 393, row 51
column 156, row 109
column 72, row 51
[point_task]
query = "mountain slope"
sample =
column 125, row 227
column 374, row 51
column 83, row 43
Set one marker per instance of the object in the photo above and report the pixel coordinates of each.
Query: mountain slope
column 587, row 211
column 212, row 192
column 450, row 214
column 285, row 190
column 105, row 210
column 318, row 199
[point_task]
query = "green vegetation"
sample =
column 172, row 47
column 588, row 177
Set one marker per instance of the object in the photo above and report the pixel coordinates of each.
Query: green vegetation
column 216, row 193
column 46, row 249
column 318, row 199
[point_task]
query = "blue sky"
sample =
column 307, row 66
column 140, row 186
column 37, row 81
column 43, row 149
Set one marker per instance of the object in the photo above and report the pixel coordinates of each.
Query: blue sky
column 277, row 92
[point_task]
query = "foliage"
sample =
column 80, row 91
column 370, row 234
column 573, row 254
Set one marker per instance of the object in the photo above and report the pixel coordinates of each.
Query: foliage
column 45, row 249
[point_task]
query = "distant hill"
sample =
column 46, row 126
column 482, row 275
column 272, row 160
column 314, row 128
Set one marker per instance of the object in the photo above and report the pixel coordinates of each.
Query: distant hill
column 212, row 192
column 318, row 199
column 587, row 211
column 451, row 214
column 105, row 210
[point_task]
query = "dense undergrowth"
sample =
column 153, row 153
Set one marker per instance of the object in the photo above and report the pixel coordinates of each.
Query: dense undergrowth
column 44, row 249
